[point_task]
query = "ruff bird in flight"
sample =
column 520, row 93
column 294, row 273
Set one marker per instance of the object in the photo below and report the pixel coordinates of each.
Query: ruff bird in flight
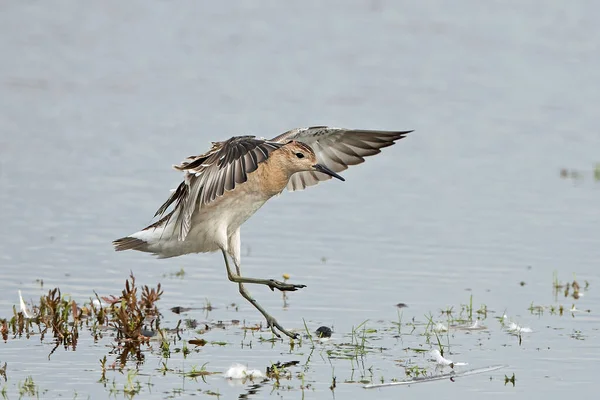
column 222, row 188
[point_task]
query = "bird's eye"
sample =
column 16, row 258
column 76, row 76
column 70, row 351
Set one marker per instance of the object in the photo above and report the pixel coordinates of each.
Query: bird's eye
column 299, row 155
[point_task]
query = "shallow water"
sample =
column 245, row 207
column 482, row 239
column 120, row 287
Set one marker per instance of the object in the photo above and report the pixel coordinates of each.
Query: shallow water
column 99, row 100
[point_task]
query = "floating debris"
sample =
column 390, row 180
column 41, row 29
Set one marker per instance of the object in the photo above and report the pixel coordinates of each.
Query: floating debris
column 513, row 327
column 179, row 309
column 566, row 173
column 440, row 360
column 574, row 310
column 239, row 371
column 475, row 326
column 449, row 375
column 439, row 327
column 197, row 342
column 573, row 174
column 26, row 312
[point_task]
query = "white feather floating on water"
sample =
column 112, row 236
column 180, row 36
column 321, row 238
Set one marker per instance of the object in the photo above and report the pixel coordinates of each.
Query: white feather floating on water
column 26, row 311
column 439, row 327
column 475, row 325
column 514, row 328
column 239, row 371
column 440, row 360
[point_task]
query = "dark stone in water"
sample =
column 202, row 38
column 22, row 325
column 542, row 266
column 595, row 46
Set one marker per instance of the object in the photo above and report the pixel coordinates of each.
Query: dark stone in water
column 324, row 332
column 401, row 305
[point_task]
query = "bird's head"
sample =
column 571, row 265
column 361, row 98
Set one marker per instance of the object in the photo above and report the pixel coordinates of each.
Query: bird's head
column 300, row 157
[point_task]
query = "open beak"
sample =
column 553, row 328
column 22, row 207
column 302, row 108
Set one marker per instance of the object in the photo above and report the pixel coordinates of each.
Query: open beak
column 325, row 170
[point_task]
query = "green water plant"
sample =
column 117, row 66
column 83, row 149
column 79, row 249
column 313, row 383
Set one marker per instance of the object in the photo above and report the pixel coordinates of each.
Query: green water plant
column 28, row 388
column 201, row 372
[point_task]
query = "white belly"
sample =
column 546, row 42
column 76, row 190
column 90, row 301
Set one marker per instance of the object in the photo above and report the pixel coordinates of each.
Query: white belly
column 211, row 225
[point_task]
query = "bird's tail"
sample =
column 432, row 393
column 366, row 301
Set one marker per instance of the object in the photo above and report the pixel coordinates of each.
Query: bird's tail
column 148, row 239
column 130, row 243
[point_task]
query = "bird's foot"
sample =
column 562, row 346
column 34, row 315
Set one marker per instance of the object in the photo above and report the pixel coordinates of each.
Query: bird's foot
column 284, row 287
column 274, row 325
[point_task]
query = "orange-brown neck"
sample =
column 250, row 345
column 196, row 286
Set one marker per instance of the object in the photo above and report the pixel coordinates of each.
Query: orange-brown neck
column 272, row 175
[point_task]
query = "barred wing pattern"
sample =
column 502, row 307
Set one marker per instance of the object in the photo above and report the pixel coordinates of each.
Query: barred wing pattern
column 210, row 175
column 336, row 148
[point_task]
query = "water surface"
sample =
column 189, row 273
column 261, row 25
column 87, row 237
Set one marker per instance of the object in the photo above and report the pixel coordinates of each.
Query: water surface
column 99, row 100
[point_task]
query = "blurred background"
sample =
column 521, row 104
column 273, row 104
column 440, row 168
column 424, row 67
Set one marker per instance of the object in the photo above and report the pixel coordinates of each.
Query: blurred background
column 497, row 186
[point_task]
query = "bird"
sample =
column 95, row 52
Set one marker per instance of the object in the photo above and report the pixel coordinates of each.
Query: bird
column 225, row 186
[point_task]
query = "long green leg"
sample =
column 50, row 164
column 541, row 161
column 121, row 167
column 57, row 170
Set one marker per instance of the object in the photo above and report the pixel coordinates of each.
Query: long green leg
column 271, row 321
column 271, row 283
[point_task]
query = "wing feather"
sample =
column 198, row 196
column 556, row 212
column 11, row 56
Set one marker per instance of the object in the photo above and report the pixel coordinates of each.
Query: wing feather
column 336, row 148
column 252, row 160
column 211, row 175
column 227, row 164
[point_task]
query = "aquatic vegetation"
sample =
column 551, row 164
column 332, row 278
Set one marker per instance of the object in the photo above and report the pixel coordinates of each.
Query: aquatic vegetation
column 28, row 388
column 279, row 370
column 129, row 314
column 413, row 371
column 134, row 318
column 570, row 289
column 512, row 379
column 201, row 372
column 177, row 274
column 407, row 349
column 578, row 175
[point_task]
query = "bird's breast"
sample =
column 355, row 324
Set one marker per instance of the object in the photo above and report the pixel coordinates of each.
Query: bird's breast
column 270, row 178
column 232, row 209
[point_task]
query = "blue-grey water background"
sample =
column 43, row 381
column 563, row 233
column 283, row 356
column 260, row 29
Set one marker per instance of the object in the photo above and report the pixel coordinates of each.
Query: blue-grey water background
column 99, row 99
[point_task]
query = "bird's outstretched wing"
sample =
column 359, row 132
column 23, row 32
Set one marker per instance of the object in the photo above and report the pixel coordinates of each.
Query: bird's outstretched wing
column 211, row 174
column 336, row 148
